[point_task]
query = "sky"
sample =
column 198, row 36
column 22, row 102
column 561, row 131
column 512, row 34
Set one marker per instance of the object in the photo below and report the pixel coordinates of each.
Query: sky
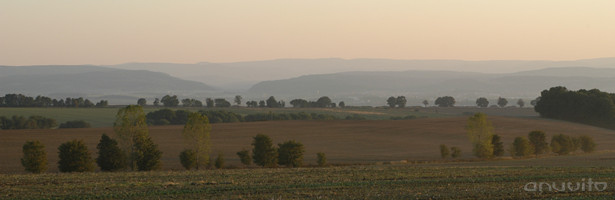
column 39, row 32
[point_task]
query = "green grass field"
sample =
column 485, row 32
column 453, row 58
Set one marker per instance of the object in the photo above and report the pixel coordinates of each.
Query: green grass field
column 104, row 117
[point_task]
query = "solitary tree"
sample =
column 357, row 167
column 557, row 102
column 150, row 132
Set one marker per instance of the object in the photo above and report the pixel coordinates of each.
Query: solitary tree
column 75, row 157
column 498, row 145
column 521, row 103
column 444, row 151
column 446, row 101
column 156, row 102
column 244, row 157
column 291, row 153
column 538, row 140
column 425, row 102
column 480, row 132
column 342, row 104
column 110, row 156
column 392, row 102
column 482, row 102
column 34, row 157
column 196, row 133
column 321, row 159
column 142, row 102
column 324, row 101
column 502, row 102
column 401, row 101
column 147, row 156
column 522, row 147
column 272, row 103
column 170, row 101
column 264, row 153
column 238, row 100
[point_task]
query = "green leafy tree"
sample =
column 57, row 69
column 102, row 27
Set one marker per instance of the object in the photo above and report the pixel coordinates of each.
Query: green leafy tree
column 142, row 102
column 75, row 157
column 170, row 101
column 522, row 147
column 244, row 157
column 498, row 145
column 342, row 104
column 156, row 102
column 502, row 102
column 482, row 102
column 401, row 101
column 455, row 152
column 290, row 153
column 188, row 159
column 209, row 102
column 324, row 102
column 147, row 155
column 587, row 144
column 392, row 101
column 238, row 99
column 264, row 153
column 110, row 156
column 446, row 101
column 444, row 151
column 197, row 135
column 220, row 161
column 425, row 102
column 538, row 140
column 321, row 159
column 521, row 103
column 34, row 157
column 272, row 103
column 480, row 132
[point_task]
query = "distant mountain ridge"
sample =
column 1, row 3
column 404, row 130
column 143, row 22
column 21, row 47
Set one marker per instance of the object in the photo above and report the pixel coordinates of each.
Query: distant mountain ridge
column 89, row 80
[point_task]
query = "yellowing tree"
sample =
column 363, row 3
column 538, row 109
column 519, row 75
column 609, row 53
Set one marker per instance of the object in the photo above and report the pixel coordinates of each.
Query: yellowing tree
column 129, row 125
column 480, row 132
column 196, row 132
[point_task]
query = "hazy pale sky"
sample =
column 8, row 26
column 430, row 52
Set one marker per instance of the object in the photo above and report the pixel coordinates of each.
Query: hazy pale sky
column 190, row 31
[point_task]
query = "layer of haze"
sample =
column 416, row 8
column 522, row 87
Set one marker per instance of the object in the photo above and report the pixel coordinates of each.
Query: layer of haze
column 34, row 32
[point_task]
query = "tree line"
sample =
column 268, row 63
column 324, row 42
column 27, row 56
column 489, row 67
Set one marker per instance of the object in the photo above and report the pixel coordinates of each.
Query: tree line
column 179, row 117
column 20, row 100
column 592, row 107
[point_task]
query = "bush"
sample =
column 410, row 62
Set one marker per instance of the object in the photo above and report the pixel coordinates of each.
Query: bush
column 538, row 140
column 147, row 156
column 456, row 152
column 587, row 144
column 321, row 159
column 562, row 144
column 522, row 147
column 75, row 124
column 220, row 161
column 244, row 156
column 264, row 153
column 34, row 157
column 444, row 151
column 498, row 146
column 291, row 153
column 110, row 156
column 75, row 157
column 188, row 159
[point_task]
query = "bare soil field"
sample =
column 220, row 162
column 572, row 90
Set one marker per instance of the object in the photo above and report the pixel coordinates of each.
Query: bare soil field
column 343, row 141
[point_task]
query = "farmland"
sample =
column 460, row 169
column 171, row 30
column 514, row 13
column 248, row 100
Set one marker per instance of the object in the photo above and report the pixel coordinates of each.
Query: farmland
column 360, row 151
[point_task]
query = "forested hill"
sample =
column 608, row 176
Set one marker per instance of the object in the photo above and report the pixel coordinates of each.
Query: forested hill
column 90, row 80
column 427, row 84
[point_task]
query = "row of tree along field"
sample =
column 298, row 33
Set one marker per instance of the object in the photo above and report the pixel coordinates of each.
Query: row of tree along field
column 134, row 149
column 487, row 145
column 20, row 100
column 38, row 122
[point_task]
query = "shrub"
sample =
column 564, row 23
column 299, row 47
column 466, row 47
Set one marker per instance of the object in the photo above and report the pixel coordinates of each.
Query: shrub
column 146, row 155
column 456, row 152
column 264, row 153
column 110, row 156
column 220, row 161
column 522, row 147
column 75, row 124
column 498, row 145
column 321, row 159
column 75, row 157
column 444, row 151
column 291, row 153
column 538, row 140
column 34, row 157
column 587, row 144
column 244, row 156
column 562, row 144
column 188, row 158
